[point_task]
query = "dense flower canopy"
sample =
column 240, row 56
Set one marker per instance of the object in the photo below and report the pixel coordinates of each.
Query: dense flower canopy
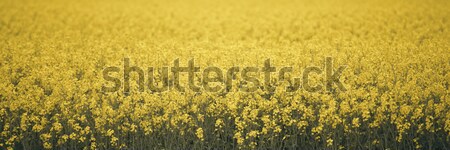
column 53, row 52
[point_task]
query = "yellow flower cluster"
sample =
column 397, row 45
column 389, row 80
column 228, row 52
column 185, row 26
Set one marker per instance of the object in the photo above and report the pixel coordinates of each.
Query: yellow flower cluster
column 52, row 54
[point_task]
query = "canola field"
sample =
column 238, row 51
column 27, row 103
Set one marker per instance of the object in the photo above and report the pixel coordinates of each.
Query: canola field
column 53, row 54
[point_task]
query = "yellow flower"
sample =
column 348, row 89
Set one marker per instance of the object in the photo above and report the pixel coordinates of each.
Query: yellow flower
column 199, row 133
column 355, row 122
